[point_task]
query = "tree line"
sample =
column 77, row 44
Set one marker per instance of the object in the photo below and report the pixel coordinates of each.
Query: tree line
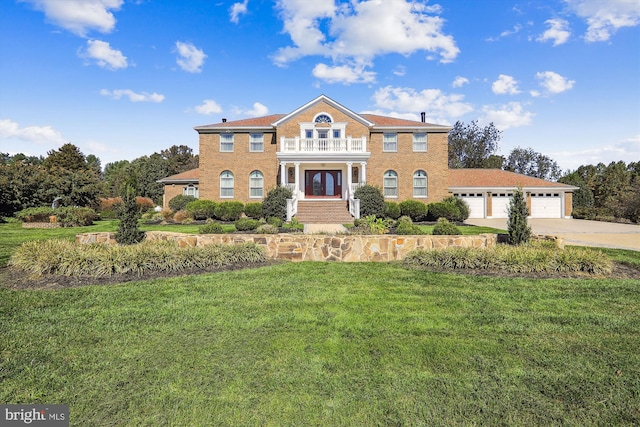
column 78, row 180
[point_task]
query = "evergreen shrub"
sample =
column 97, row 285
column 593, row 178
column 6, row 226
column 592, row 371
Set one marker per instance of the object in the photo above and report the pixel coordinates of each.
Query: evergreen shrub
column 179, row 202
column 229, row 211
column 253, row 210
column 414, row 209
column 201, row 209
column 444, row 227
column 275, row 204
column 392, row 210
column 371, row 201
column 246, row 224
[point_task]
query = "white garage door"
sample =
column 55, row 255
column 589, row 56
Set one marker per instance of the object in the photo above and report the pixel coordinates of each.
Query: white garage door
column 546, row 205
column 475, row 202
column 500, row 205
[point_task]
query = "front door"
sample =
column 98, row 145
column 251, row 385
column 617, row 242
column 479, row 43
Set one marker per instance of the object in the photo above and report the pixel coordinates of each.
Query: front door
column 323, row 184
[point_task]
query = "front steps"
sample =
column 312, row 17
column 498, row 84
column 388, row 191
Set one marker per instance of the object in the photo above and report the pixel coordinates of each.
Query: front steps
column 323, row 212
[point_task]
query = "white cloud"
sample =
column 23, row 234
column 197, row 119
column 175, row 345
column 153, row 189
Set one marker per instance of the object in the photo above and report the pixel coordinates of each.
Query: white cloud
column 104, row 55
column 190, row 58
column 80, row 16
column 133, row 96
column 506, row 116
column 400, row 70
column 605, row 17
column 505, row 85
column 558, row 32
column 257, row 110
column 553, row 82
column 622, row 150
column 236, row 10
column 516, row 29
column 208, row 106
column 460, row 81
column 45, row 135
column 440, row 107
column 344, row 33
column 344, row 74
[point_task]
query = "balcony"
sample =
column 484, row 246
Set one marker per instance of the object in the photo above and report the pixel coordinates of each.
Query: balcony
column 323, row 145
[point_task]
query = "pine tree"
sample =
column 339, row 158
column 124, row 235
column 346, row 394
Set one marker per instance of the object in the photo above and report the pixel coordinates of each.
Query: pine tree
column 519, row 230
column 129, row 213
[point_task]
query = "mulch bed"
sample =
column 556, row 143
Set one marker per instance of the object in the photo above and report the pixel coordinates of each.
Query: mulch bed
column 15, row 279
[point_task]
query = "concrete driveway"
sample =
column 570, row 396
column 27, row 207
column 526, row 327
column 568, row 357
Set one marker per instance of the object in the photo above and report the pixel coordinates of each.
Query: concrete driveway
column 577, row 231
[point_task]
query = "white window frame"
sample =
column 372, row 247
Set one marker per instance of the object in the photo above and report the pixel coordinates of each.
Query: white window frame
column 417, row 176
column 390, row 192
column 260, row 176
column 228, row 191
column 226, row 143
column 190, row 190
column 390, row 142
column 256, row 142
column 420, row 142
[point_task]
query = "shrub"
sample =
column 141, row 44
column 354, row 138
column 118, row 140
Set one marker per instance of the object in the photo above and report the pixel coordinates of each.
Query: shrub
column 201, row 209
column 370, row 225
column 40, row 214
column 108, row 214
column 267, row 229
column 444, row 227
column 145, row 203
column 128, row 232
column 253, row 210
column 392, row 210
column 180, row 216
column 211, row 228
column 407, row 227
column 70, row 216
column 229, row 211
column 246, row 224
column 371, row 201
column 275, row 204
column 463, row 208
column 414, row 209
column 443, row 209
column 179, row 202
column 276, row 222
column 519, row 230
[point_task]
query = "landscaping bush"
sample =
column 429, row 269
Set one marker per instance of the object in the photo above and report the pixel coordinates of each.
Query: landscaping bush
column 40, row 214
column 444, row 227
column 109, row 204
column 180, row 216
column 201, row 209
column 179, row 202
column 211, row 228
column 145, row 203
column 275, row 204
column 414, row 209
column 369, row 225
column 519, row 230
column 443, row 209
column 267, row 229
column 392, row 210
column 246, row 224
column 70, row 216
column 276, row 222
column 108, row 214
column 463, row 208
column 62, row 257
column 407, row 227
column 229, row 211
column 371, row 201
column 129, row 213
column 253, row 210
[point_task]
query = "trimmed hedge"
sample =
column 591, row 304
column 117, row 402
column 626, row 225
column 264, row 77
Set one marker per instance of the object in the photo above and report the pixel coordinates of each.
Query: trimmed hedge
column 371, row 201
column 179, row 202
column 40, row 214
column 444, row 227
column 201, row 209
column 229, row 211
column 414, row 209
column 246, row 224
column 392, row 210
column 253, row 210
column 212, row 228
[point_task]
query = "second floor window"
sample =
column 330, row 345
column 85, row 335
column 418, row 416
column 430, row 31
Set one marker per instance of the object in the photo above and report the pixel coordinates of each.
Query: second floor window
column 390, row 142
column 419, row 142
column 226, row 142
column 256, row 142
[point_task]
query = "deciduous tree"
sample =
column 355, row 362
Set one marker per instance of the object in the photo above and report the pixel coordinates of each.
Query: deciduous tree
column 473, row 147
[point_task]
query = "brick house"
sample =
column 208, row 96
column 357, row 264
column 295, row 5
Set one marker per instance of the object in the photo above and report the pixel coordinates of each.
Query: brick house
column 323, row 151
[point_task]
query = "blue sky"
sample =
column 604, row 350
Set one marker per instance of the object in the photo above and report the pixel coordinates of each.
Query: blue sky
column 124, row 78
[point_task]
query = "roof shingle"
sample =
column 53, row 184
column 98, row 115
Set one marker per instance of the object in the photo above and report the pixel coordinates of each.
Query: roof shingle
column 497, row 178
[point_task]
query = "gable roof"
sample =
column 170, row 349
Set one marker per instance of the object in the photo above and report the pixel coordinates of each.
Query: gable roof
column 498, row 178
column 250, row 123
column 323, row 98
column 183, row 177
column 386, row 122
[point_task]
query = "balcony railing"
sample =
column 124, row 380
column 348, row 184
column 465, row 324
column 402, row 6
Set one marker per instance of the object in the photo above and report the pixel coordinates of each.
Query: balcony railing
column 323, row 145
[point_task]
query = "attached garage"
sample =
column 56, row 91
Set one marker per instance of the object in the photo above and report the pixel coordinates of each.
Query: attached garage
column 546, row 205
column 500, row 205
column 475, row 202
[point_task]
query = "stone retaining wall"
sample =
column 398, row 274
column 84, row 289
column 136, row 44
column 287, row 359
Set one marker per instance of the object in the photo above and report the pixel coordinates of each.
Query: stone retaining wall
column 40, row 225
column 316, row 247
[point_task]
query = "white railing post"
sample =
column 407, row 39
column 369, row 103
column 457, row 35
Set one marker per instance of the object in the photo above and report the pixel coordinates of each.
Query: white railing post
column 364, row 144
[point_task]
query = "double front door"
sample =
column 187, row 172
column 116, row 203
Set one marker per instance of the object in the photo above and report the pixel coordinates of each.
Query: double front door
column 323, row 183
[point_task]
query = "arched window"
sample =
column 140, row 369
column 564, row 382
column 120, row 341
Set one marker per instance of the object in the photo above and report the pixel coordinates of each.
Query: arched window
column 420, row 184
column 323, row 118
column 256, row 184
column 226, row 184
column 390, row 184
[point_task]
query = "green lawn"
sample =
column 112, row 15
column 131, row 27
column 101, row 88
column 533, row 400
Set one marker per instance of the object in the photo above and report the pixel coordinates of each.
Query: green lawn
column 328, row 344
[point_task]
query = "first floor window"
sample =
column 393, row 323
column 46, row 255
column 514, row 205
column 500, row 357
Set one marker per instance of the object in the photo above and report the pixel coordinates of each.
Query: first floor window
column 390, row 184
column 390, row 142
column 420, row 184
column 256, row 142
column 419, row 142
column 190, row 190
column 226, row 184
column 226, row 142
column 256, row 184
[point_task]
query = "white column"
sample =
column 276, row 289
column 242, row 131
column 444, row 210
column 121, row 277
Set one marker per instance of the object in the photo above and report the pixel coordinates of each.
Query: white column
column 283, row 174
column 363, row 172
column 349, row 177
column 297, row 165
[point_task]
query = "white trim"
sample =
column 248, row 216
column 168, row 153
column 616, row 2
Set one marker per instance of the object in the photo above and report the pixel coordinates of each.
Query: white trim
column 329, row 101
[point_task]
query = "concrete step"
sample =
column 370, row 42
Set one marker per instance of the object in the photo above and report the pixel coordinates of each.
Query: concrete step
column 323, row 212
